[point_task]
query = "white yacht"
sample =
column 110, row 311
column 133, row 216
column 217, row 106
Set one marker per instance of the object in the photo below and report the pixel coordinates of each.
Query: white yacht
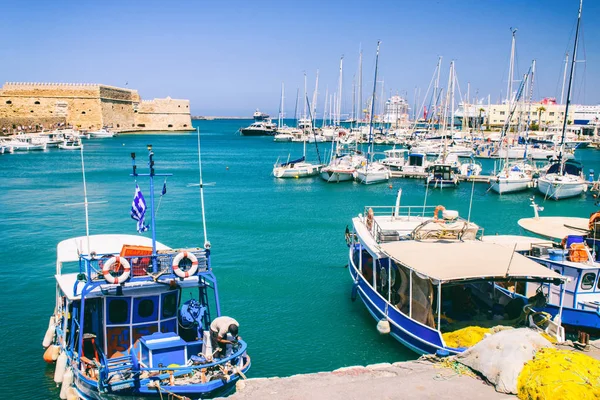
column 102, row 134
column 512, row 178
column 563, row 179
column 71, row 144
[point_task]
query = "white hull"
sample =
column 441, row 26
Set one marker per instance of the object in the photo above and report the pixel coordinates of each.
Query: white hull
column 557, row 189
column 510, row 185
column 297, row 171
column 64, row 146
column 370, row 177
column 101, row 135
column 333, row 176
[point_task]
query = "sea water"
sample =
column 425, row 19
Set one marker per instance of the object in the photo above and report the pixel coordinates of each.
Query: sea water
column 278, row 247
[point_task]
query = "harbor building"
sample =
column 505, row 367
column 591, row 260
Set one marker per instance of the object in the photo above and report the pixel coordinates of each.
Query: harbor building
column 88, row 106
column 545, row 114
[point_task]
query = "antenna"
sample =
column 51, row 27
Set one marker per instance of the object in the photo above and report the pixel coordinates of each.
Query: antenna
column 206, row 242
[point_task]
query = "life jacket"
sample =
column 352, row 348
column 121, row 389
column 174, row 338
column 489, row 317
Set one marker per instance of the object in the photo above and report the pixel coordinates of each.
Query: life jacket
column 578, row 253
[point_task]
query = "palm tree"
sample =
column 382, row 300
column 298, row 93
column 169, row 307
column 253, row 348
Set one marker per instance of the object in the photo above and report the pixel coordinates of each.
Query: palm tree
column 540, row 111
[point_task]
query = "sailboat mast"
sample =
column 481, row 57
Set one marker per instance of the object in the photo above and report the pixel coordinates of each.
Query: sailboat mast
column 452, row 114
column 304, row 115
column 572, row 73
column 325, row 107
column 313, row 107
column 373, row 104
column 296, row 107
column 532, row 77
column 360, row 84
column 339, row 97
column 511, row 68
column 353, row 116
column 562, row 92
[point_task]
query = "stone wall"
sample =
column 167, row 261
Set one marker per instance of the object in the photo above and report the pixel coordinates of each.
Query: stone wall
column 88, row 107
column 163, row 114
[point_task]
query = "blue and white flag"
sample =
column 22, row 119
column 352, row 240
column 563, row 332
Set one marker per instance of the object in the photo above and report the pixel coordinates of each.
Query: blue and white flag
column 138, row 210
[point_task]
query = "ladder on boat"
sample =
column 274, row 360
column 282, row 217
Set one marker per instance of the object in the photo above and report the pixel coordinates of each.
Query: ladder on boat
column 119, row 373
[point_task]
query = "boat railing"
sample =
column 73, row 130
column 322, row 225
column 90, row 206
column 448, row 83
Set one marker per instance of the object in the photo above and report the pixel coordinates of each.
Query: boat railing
column 93, row 266
column 127, row 371
column 401, row 211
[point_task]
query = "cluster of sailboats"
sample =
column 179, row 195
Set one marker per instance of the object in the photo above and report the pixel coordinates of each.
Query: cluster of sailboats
column 64, row 139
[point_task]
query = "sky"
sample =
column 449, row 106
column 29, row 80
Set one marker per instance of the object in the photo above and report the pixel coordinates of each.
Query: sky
column 230, row 57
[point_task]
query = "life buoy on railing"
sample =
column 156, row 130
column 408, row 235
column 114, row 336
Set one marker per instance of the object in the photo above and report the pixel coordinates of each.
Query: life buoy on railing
column 107, row 269
column 437, row 210
column 370, row 217
column 178, row 271
column 593, row 218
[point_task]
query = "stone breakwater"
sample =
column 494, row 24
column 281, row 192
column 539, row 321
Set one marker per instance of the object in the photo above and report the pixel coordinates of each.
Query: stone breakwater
column 87, row 106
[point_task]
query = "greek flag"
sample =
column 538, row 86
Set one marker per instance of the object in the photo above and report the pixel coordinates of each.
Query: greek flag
column 138, row 209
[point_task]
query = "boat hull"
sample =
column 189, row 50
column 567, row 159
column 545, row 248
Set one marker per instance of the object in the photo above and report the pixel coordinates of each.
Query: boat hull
column 442, row 183
column 336, row 176
column 502, row 186
column 560, row 190
column 415, row 336
column 296, row 172
column 370, row 178
column 257, row 132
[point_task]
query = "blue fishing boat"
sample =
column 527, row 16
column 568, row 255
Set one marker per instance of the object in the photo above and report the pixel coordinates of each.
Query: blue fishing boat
column 133, row 317
column 423, row 271
column 571, row 247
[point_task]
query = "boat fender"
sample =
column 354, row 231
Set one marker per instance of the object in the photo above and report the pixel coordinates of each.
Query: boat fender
column 51, row 353
column 66, row 383
column 185, row 274
column 383, row 326
column 49, row 336
column 106, row 270
column 354, row 292
column 61, row 364
column 72, row 394
column 370, row 217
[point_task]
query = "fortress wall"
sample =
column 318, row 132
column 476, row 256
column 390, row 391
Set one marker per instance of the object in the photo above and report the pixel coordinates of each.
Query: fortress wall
column 163, row 114
column 89, row 107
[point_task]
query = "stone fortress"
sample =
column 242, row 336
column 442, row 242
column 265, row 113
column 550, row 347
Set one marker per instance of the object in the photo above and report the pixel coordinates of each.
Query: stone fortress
column 88, row 106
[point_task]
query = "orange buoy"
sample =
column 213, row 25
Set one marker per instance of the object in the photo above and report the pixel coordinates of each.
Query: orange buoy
column 51, row 353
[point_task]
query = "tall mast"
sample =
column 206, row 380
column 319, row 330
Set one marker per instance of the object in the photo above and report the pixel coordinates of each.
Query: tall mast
column 453, row 77
column 562, row 92
column 304, row 115
column 511, row 68
column 360, row 84
column 339, row 97
column 280, row 119
column 314, row 100
column 532, row 74
column 296, row 107
column 572, row 73
column 325, row 107
column 373, row 104
column 353, row 116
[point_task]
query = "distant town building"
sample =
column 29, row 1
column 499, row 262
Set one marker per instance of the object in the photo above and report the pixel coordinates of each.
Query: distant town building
column 87, row 107
column 544, row 114
column 396, row 111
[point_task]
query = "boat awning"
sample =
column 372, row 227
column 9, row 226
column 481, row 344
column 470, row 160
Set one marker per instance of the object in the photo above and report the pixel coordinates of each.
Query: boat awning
column 70, row 249
column 516, row 242
column 470, row 260
column 555, row 227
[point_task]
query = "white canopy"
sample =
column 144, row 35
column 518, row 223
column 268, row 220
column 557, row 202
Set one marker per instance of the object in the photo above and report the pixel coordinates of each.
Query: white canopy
column 449, row 261
column 69, row 250
column 518, row 243
column 555, row 227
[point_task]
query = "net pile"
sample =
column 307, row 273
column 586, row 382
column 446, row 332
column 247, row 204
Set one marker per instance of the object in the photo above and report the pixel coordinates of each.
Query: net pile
column 465, row 337
column 560, row 374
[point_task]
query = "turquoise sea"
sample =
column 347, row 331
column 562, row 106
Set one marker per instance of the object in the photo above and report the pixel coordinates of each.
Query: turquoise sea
column 278, row 245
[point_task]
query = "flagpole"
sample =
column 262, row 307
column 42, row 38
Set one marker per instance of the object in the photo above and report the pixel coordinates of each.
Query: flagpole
column 161, row 195
column 206, row 242
column 152, row 222
column 85, row 204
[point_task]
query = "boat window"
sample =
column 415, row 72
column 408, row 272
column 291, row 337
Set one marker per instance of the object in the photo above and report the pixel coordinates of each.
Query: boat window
column 145, row 309
column 118, row 311
column 169, row 305
column 587, row 282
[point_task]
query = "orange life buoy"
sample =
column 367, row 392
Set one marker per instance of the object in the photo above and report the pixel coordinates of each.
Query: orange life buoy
column 120, row 262
column 178, row 271
column 437, row 210
column 593, row 218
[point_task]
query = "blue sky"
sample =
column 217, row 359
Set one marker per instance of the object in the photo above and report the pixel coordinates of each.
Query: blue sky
column 230, row 57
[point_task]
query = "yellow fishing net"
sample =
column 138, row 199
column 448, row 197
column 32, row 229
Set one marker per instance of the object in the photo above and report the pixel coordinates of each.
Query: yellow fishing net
column 465, row 337
column 560, row 374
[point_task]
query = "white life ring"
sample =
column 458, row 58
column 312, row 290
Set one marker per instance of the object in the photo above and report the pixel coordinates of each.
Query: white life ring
column 177, row 260
column 106, row 270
